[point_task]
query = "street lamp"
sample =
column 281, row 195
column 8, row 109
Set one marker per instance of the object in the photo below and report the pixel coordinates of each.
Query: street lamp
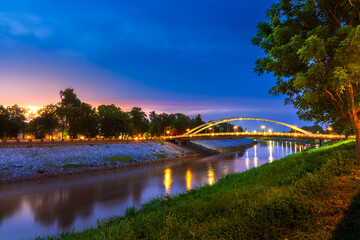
column 188, row 129
column 330, row 129
column 263, row 128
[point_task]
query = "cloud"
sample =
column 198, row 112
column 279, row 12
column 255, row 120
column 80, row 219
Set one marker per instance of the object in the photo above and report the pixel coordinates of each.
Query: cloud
column 23, row 25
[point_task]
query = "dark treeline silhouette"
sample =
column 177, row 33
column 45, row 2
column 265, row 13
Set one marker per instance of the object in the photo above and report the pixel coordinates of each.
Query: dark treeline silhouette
column 71, row 117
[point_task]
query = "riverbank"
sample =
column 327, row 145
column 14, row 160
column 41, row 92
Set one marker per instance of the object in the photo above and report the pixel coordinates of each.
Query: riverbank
column 307, row 195
column 27, row 164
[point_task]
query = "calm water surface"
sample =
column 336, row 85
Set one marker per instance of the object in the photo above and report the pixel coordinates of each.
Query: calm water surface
column 63, row 204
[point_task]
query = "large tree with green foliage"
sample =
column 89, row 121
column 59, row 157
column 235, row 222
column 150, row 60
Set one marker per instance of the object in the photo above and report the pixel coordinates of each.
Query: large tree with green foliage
column 69, row 111
column 113, row 121
column 48, row 119
column 312, row 47
column 4, row 118
column 139, row 122
column 15, row 123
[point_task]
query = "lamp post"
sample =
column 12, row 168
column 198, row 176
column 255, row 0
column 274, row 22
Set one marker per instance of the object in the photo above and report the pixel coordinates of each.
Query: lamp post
column 263, row 128
column 235, row 128
column 330, row 130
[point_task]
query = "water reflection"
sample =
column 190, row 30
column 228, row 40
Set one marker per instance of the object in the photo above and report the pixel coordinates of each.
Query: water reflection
column 247, row 160
column 255, row 156
column 76, row 202
column 167, row 180
column 188, row 179
column 211, row 176
column 270, row 152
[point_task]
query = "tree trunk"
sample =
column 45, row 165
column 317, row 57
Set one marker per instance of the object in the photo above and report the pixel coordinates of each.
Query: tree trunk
column 357, row 133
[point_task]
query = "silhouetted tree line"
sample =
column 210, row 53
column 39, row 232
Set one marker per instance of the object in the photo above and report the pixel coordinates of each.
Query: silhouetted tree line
column 73, row 117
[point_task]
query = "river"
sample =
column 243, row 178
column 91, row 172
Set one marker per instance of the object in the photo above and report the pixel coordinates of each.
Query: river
column 62, row 204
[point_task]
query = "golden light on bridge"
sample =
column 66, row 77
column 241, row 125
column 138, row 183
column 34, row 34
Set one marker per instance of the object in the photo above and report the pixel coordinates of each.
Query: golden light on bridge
column 211, row 176
column 167, row 180
column 263, row 127
column 188, row 179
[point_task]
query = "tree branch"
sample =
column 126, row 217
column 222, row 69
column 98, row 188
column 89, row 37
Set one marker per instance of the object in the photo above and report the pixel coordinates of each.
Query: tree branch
column 335, row 103
column 351, row 3
column 335, row 18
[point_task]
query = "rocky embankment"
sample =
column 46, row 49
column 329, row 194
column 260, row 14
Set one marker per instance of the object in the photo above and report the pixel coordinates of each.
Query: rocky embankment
column 21, row 164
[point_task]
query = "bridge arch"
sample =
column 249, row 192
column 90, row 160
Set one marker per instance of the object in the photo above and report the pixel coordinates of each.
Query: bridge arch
column 202, row 127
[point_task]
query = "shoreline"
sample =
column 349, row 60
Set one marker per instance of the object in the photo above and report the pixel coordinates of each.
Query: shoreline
column 190, row 151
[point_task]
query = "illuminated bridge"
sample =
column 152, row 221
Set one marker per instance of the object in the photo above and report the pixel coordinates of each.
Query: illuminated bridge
column 246, row 127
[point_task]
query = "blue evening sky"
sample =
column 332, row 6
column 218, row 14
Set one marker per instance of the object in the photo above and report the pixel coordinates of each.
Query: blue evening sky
column 173, row 56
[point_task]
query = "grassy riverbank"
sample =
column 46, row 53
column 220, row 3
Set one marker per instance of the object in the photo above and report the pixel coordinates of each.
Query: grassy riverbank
column 308, row 195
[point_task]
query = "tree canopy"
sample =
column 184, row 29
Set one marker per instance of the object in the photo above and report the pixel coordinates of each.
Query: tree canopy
column 312, row 47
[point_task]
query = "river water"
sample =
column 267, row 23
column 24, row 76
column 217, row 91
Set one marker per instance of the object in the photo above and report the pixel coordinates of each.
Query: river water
column 63, row 204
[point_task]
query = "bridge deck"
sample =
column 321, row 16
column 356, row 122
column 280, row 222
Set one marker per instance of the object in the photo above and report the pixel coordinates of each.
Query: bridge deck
column 208, row 136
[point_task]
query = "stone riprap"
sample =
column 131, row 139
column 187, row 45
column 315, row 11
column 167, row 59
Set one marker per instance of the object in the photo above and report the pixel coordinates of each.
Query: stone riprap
column 23, row 162
column 222, row 145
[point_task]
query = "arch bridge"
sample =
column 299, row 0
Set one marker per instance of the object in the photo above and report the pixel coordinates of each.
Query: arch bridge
column 207, row 131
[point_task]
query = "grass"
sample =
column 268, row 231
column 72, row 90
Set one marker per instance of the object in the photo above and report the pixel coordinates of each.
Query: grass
column 124, row 159
column 160, row 155
column 307, row 195
column 73, row 165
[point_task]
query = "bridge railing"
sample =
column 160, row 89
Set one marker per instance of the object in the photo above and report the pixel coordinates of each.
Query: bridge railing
column 260, row 134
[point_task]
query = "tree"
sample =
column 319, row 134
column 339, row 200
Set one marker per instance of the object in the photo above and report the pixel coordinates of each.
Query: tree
column 88, row 121
column 181, row 123
column 113, row 121
column 69, row 110
column 4, row 120
column 48, row 119
column 313, row 50
column 140, row 124
column 197, row 121
column 36, row 128
column 314, row 129
column 160, row 122
column 16, row 121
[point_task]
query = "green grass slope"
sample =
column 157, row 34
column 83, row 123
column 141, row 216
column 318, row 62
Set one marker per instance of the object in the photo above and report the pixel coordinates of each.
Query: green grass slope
column 308, row 195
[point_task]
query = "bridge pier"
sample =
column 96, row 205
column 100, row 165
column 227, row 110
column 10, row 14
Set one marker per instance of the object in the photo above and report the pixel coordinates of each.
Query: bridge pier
column 317, row 143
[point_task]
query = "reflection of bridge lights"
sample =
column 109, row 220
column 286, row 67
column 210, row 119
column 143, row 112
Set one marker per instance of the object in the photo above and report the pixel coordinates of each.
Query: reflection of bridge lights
column 255, row 147
column 188, row 179
column 211, row 176
column 270, row 152
column 255, row 161
column 247, row 160
column 226, row 170
column 167, row 180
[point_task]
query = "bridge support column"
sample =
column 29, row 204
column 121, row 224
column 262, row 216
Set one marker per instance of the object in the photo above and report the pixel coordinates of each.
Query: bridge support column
column 317, row 143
